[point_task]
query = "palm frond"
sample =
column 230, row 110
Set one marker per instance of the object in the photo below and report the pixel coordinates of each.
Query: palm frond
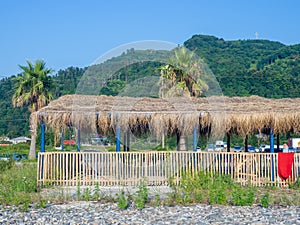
column 32, row 87
column 184, row 71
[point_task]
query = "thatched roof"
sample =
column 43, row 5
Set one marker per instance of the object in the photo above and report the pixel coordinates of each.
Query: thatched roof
column 243, row 115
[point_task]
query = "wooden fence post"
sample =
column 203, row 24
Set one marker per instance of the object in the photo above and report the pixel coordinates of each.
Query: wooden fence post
column 195, row 139
column 42, row 136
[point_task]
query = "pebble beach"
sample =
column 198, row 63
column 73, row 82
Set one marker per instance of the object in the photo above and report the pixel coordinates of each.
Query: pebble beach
column 81, row 212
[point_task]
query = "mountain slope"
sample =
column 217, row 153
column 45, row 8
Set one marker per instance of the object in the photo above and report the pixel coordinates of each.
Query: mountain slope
column 257, row 67
column 242, row 67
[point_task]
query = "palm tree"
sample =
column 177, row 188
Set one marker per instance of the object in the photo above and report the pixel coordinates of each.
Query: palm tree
column 182, row 77
column 32, row 88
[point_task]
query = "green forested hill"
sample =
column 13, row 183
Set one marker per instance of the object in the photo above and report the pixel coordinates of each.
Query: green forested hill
column 251, row 67
column 65, row 81
column 242, row 67
column 13, row 121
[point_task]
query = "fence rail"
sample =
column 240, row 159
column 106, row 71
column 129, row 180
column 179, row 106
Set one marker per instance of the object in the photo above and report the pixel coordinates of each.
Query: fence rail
column 156, row 168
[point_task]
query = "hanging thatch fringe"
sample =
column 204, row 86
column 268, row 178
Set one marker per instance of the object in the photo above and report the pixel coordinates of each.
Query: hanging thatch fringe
column 243, row 115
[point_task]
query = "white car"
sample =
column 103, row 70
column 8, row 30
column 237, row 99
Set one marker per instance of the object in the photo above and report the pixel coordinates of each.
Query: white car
column 219, row 148
column 262, row 147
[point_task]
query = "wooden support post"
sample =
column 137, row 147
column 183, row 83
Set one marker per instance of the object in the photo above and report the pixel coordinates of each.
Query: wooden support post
column 163, row 138
column 195, row 139
column 42, row 147
column 78, row 140
column 118, row 142
column 278, row 141
column 271, row 140
column 272, row 151
column 228, row 141
column 178, row 140
column 118, row 134
column 125, row 142
column 62, row 140
column 246, row 143
column 42, row 136
column 128, row 140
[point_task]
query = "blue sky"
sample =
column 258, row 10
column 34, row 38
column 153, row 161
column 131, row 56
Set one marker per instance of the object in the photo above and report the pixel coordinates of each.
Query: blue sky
column 75, row 33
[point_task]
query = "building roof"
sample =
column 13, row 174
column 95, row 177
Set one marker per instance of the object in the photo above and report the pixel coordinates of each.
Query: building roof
column 242, row 115
column 20, row 139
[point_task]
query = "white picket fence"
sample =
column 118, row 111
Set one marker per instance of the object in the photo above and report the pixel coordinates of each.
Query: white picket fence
column 157, row 168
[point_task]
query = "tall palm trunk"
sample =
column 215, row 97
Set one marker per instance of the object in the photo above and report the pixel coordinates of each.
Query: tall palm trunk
column 33, row 126
column 32, row 151
column 181, row 142
column 33, row 132
column 163, row 140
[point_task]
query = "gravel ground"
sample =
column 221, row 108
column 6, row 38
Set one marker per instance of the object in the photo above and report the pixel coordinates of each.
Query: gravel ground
column 109, row 213
column 89, row 212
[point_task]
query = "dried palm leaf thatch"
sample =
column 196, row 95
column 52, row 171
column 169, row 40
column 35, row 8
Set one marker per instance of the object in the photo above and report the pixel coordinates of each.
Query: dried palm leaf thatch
column 187, row 122
column 158, row 124
column 244, row 115
column 104, row 122
column 294, row 119
column 218, row 124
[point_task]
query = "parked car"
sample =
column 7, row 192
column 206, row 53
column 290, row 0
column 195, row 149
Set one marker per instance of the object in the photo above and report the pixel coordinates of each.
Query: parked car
column 237, row 148
column 251, row 149
column 210, row 147
column 262, row 147
column 267, row 149
column 219, row 148
column 296, row 150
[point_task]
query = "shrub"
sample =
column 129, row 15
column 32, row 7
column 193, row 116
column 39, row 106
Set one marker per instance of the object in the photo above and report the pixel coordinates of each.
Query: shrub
column 265, row 200
column 213, row 189
column 96, row 194
column 296, row 184
column 6, row 164
column 141, row 197
column 122, row 201
column 217, row 196
column 243, row 196
column 86, row 195
column 157, row 200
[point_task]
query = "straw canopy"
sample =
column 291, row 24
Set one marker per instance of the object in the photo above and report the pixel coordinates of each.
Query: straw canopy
column 241, row 115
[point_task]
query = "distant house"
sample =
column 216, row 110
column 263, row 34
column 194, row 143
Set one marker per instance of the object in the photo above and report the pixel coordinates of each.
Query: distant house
column 20, row 140
column 4, row 138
